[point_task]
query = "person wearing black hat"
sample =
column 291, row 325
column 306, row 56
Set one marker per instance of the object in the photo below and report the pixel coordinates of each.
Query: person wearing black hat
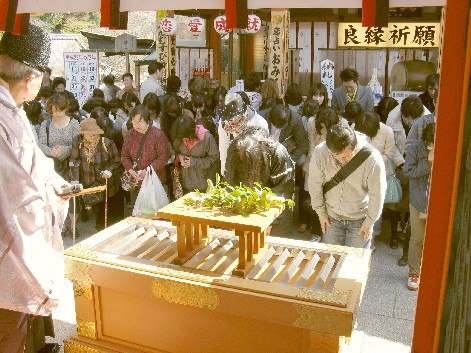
column 32, row 213
column 235, row 117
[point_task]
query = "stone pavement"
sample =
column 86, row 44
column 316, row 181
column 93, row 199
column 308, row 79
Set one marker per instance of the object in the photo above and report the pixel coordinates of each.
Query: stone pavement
column 387, row 310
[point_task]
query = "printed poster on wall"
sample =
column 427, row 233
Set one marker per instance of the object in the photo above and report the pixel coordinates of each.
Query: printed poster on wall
column 81, row 74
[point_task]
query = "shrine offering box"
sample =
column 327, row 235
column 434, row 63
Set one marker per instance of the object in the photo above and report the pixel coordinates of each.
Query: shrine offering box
column 138, row 288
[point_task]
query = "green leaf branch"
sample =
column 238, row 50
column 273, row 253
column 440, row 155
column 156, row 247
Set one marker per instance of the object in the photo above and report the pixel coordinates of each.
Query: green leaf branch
column 240, row 199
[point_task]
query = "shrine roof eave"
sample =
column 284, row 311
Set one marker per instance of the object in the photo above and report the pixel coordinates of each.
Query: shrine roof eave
column 54, row 6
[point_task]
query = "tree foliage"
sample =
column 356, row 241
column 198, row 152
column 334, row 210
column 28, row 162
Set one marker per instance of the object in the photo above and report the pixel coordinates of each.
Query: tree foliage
column 72, row 22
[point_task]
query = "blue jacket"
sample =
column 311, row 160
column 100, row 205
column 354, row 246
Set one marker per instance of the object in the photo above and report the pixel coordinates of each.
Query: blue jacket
column 417, row 169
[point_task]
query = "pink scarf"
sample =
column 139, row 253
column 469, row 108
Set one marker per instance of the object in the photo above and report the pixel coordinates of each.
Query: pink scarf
column 190, row 143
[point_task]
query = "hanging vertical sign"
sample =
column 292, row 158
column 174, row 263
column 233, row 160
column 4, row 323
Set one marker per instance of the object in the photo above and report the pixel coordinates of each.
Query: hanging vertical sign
column 278, row 60
column 172, row 56
column 161, row 39
column 327, row 75
column 286, row 21
column 165, row 47
column 81, row 74
column 265, row 48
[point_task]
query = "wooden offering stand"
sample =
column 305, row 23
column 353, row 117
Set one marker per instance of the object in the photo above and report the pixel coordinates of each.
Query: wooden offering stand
column 192, row 230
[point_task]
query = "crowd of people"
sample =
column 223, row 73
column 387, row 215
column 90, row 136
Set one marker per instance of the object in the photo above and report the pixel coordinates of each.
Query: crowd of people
column 194, row 134
column 338, row 152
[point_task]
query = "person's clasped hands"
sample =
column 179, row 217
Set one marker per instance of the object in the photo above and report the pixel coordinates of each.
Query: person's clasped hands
column 185, row 161
column 106, row 174
column 138, row 175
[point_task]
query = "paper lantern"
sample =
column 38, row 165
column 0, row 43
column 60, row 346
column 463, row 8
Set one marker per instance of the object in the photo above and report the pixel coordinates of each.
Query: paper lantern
column 168, row 26
column 195, row 25
column 220, row 25
column 253, row 24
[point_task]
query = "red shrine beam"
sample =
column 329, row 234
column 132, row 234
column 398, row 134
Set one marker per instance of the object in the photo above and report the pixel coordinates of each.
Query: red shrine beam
column 111, row 17
column 236, row 13
column 21, row 24
column 10, row 21
column 375, row 13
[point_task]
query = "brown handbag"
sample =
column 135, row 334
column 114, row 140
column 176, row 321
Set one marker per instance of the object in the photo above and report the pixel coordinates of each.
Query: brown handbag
column 176, row 183
column 127, row 180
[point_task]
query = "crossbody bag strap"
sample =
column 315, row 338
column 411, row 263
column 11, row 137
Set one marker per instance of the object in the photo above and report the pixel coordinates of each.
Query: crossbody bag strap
column 141, row 146
column 348, row 168
column 48, row 123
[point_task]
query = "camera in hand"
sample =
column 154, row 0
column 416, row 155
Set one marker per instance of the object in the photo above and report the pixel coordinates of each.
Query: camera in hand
column 72, row 189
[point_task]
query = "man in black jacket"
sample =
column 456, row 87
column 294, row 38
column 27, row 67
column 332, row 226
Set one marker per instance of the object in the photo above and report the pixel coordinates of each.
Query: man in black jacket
column 255, row 157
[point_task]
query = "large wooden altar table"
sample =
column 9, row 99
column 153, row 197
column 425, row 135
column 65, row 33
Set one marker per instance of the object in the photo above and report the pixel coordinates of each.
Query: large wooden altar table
column 192, row 228
column 130, row 297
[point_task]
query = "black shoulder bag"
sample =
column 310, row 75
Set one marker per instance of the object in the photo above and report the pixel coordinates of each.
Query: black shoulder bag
column 127, row 181
column 348, row 168
column 61, row 167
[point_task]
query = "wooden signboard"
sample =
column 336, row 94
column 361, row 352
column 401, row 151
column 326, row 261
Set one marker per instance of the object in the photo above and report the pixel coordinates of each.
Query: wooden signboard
column 396, row 35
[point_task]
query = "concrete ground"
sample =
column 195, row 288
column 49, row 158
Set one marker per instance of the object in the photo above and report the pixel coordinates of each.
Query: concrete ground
column 387, row 310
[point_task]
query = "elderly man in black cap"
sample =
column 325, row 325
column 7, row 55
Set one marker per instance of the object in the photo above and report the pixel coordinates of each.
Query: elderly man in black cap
column 31, row 212
column 235, row 117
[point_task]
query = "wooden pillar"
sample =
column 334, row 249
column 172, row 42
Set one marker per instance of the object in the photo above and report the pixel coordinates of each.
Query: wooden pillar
column 215, row 44
column 452, row 104
column 249, row 57
column 278, row 47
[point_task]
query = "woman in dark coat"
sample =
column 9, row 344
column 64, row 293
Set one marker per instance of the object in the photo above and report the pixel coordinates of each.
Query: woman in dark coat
column 197, row 152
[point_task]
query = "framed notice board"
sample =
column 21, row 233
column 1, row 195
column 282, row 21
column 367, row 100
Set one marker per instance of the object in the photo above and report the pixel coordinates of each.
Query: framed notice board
column 81, row 74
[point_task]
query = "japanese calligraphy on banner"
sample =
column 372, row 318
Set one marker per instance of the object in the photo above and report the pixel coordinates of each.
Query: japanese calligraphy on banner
column 278, row 60
column 172, row 58
column 81, row 74
column 165, row 48
column 396, row 35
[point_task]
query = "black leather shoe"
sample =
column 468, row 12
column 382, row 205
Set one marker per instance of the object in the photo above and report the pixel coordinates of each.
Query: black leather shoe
column 50, row 348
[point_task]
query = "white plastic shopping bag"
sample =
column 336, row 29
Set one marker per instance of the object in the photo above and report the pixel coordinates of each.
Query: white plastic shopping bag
column 151, row 197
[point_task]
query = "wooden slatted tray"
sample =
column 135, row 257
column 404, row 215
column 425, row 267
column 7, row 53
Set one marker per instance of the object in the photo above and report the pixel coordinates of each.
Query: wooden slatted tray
column 296, row 265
